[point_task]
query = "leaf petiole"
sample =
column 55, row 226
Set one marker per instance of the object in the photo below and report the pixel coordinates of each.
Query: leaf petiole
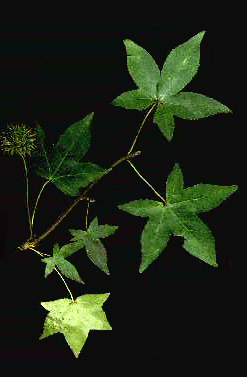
column 27, row 198
column 137, row 172
column 42, row 188
column 144, row 120
column 72, row 298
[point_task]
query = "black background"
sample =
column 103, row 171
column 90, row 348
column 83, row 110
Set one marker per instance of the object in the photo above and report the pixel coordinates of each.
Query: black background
column 56, row 74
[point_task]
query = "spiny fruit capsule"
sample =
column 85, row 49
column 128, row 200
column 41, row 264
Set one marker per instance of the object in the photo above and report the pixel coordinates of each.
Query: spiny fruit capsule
column 18, row 138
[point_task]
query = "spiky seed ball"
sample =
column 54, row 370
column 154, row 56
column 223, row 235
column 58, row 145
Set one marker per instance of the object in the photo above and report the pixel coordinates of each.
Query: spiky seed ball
column 18, row 138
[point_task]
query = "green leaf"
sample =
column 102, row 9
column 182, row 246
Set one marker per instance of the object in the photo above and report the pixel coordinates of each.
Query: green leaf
column 134, row 99
column 64, row 168
column 90, row 239
column 180, row 67
column 73, row 144
column 142, row 68
column 162, row 88
column 74, row 319
column 179, row 217
column 178, row 70
column 65, row 267
column 76, row 175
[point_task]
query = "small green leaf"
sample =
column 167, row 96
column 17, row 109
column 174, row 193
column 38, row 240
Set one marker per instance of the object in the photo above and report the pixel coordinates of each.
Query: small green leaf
column 90, row 239
column 66, row 268
column 179, row 217
column 74, row 319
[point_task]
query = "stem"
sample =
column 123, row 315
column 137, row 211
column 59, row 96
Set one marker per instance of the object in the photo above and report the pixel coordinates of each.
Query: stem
column 72, row 298
column 42, row 188
column 87, row 214
column 27, row 199
column 43, row 254
column 38, row 252
column 83, row 196
column 88, row 203
column 144, row 120
column 147, row 182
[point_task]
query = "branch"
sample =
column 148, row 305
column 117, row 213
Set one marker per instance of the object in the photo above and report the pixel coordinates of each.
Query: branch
column 32, row 243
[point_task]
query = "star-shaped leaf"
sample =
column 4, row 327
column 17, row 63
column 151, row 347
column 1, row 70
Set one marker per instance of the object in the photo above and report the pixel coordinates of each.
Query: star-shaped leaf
column 74, row 319
column 58, row 260
column 162, row 87
column 179, row 217
column 90, row 239
column 64, row 166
